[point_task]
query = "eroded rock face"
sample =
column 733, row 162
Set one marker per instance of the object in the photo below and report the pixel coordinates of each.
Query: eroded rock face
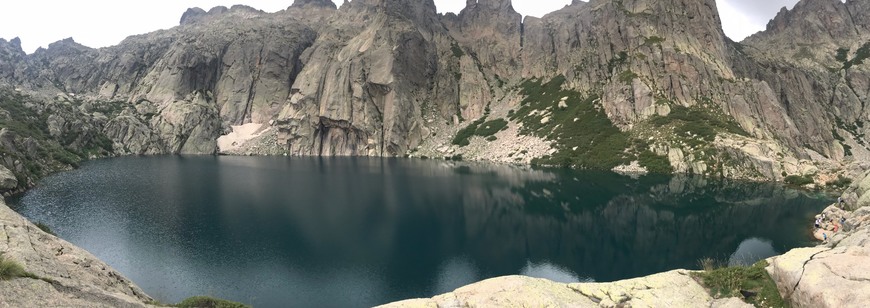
column 71, row 277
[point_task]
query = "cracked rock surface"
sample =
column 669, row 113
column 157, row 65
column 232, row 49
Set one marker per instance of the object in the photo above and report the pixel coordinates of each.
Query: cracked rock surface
column 70, row 276
column 670, row 289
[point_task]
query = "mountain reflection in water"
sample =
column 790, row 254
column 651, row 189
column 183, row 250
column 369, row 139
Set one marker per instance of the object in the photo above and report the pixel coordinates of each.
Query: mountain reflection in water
column 358, row 231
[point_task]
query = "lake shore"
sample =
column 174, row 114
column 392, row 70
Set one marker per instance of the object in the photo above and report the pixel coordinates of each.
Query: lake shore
column 65, row 275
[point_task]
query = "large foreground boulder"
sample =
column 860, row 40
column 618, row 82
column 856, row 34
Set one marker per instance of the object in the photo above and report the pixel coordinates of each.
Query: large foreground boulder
column 670, row 289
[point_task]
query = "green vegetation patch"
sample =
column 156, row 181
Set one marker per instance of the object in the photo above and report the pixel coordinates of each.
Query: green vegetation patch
column 698, row 121
column 209, row 302
column 627, row 76
column 863, row 53
column 803, row 53
column 457, row 51
column 583, row 134
column 620, row 59
column 853, row 128
column 461, row 138
column 10, row 269
column 491, row 127
column 799, row 180
column 752, row 280
column 45, row 228
column 654, row 163
column 840, row 182
column 653, row 40
column 842, row 55
column 479, row 128
column 30, row 142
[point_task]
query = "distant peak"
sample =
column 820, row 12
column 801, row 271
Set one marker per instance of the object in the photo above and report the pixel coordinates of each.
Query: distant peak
column 244, row 8
column 491, row 4
column 192, row 15
column 16, row 42
column 314, row 3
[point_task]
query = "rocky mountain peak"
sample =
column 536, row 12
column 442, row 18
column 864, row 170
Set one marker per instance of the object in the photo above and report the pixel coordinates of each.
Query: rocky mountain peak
column 16, row 42
column 314, row 3
column 815, row 20
column 501, row 5
column 11, row 47
column 421, row 12
column 192, row 15
column 64, row 45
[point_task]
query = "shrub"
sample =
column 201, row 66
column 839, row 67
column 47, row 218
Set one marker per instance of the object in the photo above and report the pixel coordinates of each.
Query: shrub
column 654, row 163
column 457, row 51
column 461, row 138
column 491, row 127
column 730, row 281
column 627, row 76
column 842, row 54
column 44, row 228
column 209, row 302
column 10, row 269
column 799, row 180
column 698, row 121
column 653, row 40
column 841, row 182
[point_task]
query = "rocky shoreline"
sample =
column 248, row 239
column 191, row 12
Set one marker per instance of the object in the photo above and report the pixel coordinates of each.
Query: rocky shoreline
column 61, row 274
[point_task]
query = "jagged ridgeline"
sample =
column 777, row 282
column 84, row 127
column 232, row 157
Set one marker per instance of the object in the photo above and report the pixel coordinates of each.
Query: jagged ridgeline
column 644, row 84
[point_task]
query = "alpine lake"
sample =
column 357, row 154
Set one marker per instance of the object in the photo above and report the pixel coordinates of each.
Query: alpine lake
column 354, row 232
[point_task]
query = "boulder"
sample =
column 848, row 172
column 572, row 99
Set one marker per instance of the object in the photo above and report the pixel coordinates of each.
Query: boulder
column 8, row 181
column 670, row 289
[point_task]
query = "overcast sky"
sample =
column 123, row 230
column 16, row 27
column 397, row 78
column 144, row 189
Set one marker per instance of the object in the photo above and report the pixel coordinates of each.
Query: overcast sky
column 100, row 23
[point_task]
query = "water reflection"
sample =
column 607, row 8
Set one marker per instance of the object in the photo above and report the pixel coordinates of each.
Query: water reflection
column 750, row 251
column 552, row 272
column 361, row 232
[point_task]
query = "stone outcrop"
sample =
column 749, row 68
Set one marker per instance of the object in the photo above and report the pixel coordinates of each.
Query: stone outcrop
column 67, row 275
column 835, row 274
column 670, row 289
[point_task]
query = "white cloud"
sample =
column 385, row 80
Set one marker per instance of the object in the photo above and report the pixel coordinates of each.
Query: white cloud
column 735, row 23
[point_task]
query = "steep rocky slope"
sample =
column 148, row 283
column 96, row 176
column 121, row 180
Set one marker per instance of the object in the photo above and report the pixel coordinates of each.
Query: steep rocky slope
column 61, row 274
column 596, row 84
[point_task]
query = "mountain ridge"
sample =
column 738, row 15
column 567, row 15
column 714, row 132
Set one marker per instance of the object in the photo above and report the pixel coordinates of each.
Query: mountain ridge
column 395, row 78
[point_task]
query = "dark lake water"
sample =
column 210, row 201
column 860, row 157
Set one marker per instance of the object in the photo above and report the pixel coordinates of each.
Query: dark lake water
column 347, row 232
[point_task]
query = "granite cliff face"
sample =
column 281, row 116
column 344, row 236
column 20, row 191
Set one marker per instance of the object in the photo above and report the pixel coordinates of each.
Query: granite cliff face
column 650, row 82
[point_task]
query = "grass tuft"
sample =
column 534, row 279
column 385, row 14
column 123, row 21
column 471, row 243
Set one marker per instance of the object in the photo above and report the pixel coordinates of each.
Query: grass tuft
column 798, row 180
column 730, row 281
column 10, row 269
column 45, row 228
column 209, row 302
